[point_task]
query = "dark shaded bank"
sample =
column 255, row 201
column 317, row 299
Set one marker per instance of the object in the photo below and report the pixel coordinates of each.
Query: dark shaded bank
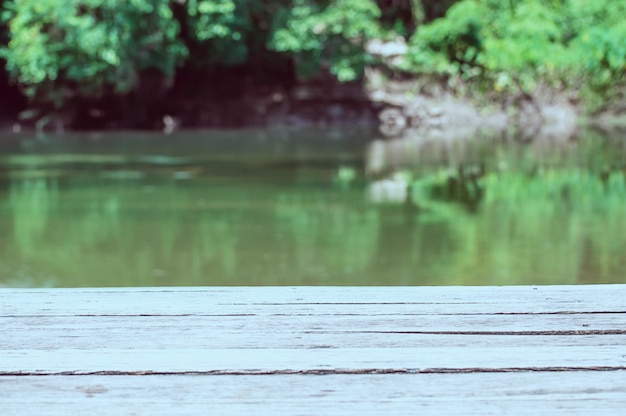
column 12, row 101
column 249, row 96
column 253, row 96
column 224, row 97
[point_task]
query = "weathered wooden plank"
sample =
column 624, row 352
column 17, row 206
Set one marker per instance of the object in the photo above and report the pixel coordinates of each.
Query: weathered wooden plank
column 307, row 320
column 373, row 329
column 231, row 321
column 423, row 300
column 577, row 393
column 255, row 360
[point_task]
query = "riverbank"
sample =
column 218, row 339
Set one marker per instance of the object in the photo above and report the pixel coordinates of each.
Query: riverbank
column 400, row 105
column 424, row 106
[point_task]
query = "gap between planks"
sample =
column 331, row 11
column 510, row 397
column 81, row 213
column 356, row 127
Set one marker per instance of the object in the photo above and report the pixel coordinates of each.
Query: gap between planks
column 364, row 371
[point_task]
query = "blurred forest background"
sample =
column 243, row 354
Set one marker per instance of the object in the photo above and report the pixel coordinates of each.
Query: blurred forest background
column 503, row 160
column 129, row 63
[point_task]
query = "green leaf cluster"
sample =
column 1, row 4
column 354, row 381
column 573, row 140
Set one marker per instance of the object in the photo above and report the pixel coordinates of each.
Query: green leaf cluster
column 516, row 44
column 228, row 32
column 58, row 49
column 328, row 33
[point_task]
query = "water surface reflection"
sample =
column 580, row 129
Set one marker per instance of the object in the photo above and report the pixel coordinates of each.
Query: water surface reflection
column 301, row 208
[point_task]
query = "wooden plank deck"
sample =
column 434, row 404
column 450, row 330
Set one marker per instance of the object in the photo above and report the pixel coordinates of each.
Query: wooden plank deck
column 314, row 350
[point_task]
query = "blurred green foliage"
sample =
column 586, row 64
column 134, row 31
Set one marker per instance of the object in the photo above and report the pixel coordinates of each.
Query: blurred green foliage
column 515, row 45
column 227, row 32
column 57, row 50
column 331, row 33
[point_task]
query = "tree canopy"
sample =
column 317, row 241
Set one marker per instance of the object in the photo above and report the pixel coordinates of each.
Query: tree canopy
column 55, row 50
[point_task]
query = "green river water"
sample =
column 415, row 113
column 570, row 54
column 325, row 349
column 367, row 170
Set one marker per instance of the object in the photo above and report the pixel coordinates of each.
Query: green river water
column 309, row 207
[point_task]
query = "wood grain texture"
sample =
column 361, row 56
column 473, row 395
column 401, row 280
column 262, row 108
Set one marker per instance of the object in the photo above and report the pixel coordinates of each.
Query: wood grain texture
column 294, row 300
column 573, row 393
column 313, row 350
